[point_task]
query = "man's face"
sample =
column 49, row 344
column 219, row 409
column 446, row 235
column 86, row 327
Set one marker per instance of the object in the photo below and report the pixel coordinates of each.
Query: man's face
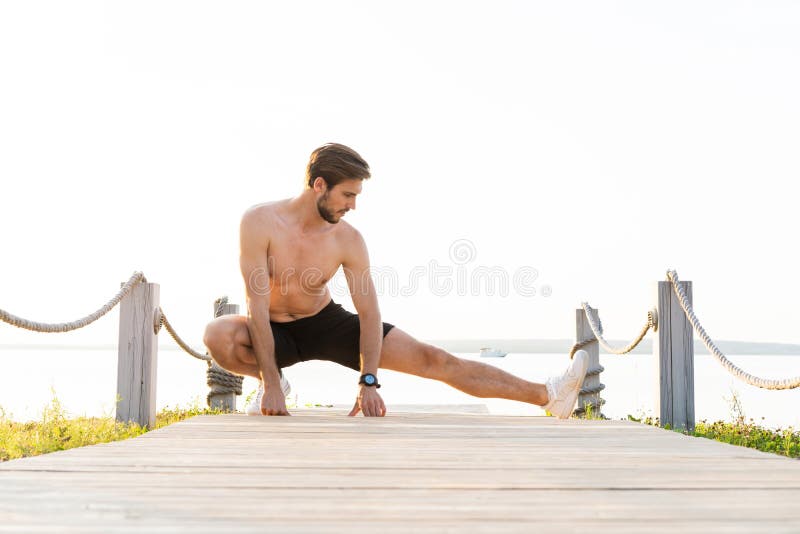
column 337, row 200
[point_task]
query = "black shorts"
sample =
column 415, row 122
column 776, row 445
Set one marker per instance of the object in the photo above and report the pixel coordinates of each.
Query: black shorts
column 333, row 334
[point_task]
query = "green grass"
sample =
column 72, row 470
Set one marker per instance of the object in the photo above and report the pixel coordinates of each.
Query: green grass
column 742, row 431
column 57, row 431
column 591, row 412
column 745, row 433
column 785, row 442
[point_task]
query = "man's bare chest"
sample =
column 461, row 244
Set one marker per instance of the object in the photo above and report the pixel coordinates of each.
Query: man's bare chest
column 309, row 261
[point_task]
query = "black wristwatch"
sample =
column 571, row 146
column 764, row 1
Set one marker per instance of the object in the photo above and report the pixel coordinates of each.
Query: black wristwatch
column 369, row 380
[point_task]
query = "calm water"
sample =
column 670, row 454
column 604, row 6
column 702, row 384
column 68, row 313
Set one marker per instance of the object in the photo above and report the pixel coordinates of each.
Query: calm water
column 85, row 382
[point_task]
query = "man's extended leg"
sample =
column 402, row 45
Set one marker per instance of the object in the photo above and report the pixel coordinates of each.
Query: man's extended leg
column 403, row 353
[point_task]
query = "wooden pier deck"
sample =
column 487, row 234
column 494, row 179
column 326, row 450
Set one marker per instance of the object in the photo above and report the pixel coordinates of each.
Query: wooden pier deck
column 320, row 471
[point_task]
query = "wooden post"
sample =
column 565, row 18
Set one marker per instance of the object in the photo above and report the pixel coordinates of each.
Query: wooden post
column 674, row 352
column 584, row 331
column 224, row 401
column 138, row 356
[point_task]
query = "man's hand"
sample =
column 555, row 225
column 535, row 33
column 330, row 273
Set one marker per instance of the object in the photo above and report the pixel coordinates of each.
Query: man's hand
column 273, row 402
column 369, row 402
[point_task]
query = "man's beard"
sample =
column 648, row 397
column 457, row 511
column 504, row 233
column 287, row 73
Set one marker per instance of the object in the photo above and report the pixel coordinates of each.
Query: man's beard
column 324, row 212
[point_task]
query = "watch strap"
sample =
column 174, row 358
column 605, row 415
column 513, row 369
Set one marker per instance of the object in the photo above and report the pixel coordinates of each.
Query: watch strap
column 363, row 380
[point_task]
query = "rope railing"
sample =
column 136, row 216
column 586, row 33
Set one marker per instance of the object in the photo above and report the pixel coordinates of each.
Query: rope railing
column 789, row 383
column 181, row 343
column 597, row 329
column 136, row 278
column 219, row 380
column 222, row 381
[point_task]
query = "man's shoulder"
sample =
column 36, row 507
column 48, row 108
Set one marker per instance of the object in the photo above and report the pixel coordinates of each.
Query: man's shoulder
column 265, row 210
column 351, row 241
column 348, row 232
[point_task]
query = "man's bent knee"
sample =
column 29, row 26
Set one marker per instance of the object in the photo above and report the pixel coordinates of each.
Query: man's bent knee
column 211, row 335
column 219, row 339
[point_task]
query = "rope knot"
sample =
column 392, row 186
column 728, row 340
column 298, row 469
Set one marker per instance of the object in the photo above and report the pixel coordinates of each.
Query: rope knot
column 221, row 382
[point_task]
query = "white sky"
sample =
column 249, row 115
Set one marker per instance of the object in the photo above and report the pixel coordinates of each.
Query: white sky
column 597, row 142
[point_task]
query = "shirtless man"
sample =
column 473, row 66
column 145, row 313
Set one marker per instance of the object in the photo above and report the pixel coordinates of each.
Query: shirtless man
column 289, row 250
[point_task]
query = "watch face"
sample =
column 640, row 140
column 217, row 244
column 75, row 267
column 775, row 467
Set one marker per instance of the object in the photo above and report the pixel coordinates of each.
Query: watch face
column 369, row 379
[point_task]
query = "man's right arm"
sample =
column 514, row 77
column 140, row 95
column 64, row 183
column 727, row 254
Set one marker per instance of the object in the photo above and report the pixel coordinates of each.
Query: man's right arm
column 254, row 245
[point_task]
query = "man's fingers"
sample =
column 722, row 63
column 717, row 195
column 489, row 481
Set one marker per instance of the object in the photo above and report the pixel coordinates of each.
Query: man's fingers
column 373, row 410
column 371, row 405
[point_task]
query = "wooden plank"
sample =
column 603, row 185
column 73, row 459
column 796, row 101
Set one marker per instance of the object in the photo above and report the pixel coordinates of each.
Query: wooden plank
column 137, row 356
column 322, row 471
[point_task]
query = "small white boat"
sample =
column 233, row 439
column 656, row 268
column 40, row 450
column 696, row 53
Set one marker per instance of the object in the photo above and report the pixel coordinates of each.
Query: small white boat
column 487, row 352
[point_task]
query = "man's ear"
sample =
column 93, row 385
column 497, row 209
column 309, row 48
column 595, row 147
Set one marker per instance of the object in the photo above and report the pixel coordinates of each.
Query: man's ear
column 320, row 185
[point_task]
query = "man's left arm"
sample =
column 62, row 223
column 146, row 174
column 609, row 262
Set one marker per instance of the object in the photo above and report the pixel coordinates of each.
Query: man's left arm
column 365, row 299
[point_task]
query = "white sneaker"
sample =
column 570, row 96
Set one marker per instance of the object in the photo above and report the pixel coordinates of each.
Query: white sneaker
column 254, row 408
column 562, row 391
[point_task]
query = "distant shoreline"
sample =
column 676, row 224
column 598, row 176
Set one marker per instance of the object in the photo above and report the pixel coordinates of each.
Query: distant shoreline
column 529, row 346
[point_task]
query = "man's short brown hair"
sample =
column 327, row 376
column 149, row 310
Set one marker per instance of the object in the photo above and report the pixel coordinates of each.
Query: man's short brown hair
column 336, row 163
